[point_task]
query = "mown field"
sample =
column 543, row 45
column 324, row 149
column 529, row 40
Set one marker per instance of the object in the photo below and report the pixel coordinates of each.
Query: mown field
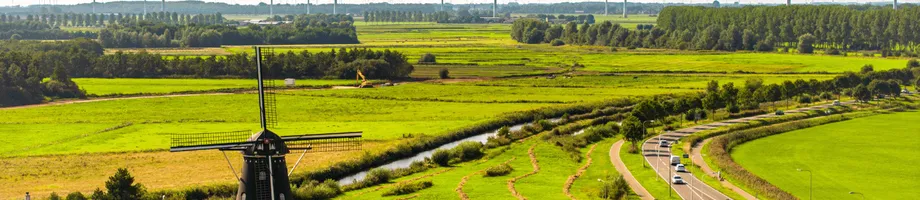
column 103, row 86
column 843, row 157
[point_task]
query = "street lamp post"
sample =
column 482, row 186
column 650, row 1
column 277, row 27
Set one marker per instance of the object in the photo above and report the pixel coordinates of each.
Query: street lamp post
column 810, row 181
column 860, row 194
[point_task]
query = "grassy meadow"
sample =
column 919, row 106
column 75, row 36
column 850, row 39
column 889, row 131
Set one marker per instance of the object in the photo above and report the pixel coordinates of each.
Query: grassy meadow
column 103, row 86
column 843, row 157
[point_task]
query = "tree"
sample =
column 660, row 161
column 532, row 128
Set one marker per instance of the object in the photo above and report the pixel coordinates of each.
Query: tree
column 866, row 69
column 788, row 90
column 894, row 88
column 75, row 196
column 121, row 186
column 633, row 130
column 805, row 43
column 861, row 93
column 427, row 58
column 444, row 74
column 712, row 101
column 646, row 110
column 912, row 63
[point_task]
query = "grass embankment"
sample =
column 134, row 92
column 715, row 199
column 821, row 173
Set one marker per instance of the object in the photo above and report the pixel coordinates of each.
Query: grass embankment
column 646, row 175
column 840, row 156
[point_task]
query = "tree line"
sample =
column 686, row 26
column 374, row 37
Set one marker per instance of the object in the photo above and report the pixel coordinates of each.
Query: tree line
column 832, row 26
column 305, row 29
column 29, row 30
column 750, row 28
column 99, row 20
column 862, row 86
column 460, row 16
column 25, row 64
column 580, row 19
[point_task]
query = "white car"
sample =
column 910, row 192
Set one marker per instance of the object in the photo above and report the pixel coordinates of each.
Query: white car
column 663, row 143
column 675, row 160
column 677, row 180
column 680, row 168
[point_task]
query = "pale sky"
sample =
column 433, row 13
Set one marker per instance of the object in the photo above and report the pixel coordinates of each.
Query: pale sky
column 31, row 2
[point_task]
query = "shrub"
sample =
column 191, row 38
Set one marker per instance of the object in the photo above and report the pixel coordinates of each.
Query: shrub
column 54, row 196
column 493, row 142
column 613, row 188
column 805, row 43
column 504, row 131
column 805, row 99
column 408, row 188
column 468, row 151
column 122, row 186
column 832, row 52
column 441, row 157
column 557, row 42
column 444, row 74
column 377, row 176
column 315, row 190
column 912, row 63
column 427, row 58
column 75, row 196
column 498, row 170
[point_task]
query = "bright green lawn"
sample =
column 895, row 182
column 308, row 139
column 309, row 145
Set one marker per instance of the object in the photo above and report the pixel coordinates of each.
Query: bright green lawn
column 654, row 81
column 104, row 86
column 876, row 156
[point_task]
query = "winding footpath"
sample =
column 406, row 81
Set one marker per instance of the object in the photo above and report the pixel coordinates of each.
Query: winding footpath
column 467, row 178
column 568, row 183
column 536, row 168
column 659, row 159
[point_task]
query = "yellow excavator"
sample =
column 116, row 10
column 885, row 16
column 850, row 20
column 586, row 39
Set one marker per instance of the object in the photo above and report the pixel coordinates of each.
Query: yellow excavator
column 361, row 80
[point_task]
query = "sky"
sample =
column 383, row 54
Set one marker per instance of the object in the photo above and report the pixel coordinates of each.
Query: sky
column 31, row 2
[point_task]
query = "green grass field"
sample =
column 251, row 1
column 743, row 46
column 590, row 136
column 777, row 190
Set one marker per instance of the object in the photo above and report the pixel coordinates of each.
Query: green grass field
column 845, row 156
column 102, row 86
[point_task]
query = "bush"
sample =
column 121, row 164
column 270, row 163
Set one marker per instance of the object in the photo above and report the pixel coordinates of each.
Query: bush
column 76, row 196
column 428, row 58
column 441, row 157
column 805, row 99
column 315, row 190
column 832, row 52
column 444, row 74
column 54, row 196
column 499, row 170
column 377, row 176
column 805, row 43
column 408, row 188
column 912, row 63
column 613, row 188
column 468, row 151
column 557, row 42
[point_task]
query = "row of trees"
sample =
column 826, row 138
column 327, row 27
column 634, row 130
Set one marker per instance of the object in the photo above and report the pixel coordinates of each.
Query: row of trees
column 305, row 29
column 589, row 18
column 862, row 86
column 24, row 66
column 534, row 31
column 405, row 16
column 28, row 30
column 832, row 26
column 98, row 20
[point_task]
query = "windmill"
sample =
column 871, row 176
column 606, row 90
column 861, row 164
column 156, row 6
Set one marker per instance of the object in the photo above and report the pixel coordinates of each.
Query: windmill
column 265, row 174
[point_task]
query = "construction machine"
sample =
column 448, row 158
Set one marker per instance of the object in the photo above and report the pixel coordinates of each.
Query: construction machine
column 362, row 81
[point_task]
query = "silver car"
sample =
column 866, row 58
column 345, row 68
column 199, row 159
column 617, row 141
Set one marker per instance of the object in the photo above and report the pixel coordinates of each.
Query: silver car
column 680, row 168
column 677, row 180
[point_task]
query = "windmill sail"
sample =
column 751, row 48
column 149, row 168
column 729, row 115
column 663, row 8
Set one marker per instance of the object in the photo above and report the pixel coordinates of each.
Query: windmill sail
column 329, row 142
column 212, row 140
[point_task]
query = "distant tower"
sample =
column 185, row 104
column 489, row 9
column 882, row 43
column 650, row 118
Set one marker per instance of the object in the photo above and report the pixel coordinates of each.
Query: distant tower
column 442, row 5
column 788, row 2
column 271, row 8
column 624, row 9
column 895, row 5
column 94, row 6
column 605, row 7
column 334, row 4
column 163, row 6
column 145, row 8
column 494, row 7
column 308, row 7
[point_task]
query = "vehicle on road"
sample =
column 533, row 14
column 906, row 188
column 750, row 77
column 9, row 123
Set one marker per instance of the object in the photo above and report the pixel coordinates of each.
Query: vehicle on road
column 677, row 180
column 680, row 168
column 663, row 143
column 675, row 160
column 780, row 112
column 836, row 102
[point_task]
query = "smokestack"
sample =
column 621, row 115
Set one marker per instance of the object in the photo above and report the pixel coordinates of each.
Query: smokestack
column 624, row 9
column 494, row 7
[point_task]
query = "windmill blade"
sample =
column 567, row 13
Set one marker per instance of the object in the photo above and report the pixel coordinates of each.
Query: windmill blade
column 267, row 101
column 232, row 140
column 329, row 142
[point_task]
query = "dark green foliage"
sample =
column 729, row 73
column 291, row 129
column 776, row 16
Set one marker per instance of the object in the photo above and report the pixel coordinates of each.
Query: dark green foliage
column 427, row 58
column 498, row 170
column 912, row 63
column 469, row 150
column 805, row 43
column 805, row 99
column 75, row 196
column 121, row 186
column 54, row 196
column 832, row 52
column 408, row 188
column 315, row 190
column 557, row 42
column 867, row 69
column 633, row 130
column 444, row 73
column 614, row 187
column 441, row 157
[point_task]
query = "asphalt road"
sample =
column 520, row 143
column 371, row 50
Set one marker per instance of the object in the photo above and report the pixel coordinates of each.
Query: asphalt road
column 659, row 157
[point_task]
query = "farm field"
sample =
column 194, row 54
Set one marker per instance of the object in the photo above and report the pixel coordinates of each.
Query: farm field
column 103, row 86
column 843, row 157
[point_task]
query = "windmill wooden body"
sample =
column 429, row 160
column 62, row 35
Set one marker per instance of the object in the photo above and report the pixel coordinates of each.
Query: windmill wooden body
column 265, row 173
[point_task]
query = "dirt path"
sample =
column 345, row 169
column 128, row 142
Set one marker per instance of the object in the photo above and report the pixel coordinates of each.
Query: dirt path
column 568, row 183
column 536, row 168
column 630, row 179
column 467, row 177
column 65, row 102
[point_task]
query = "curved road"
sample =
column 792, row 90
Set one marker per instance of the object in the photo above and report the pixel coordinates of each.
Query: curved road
column 659, row 157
